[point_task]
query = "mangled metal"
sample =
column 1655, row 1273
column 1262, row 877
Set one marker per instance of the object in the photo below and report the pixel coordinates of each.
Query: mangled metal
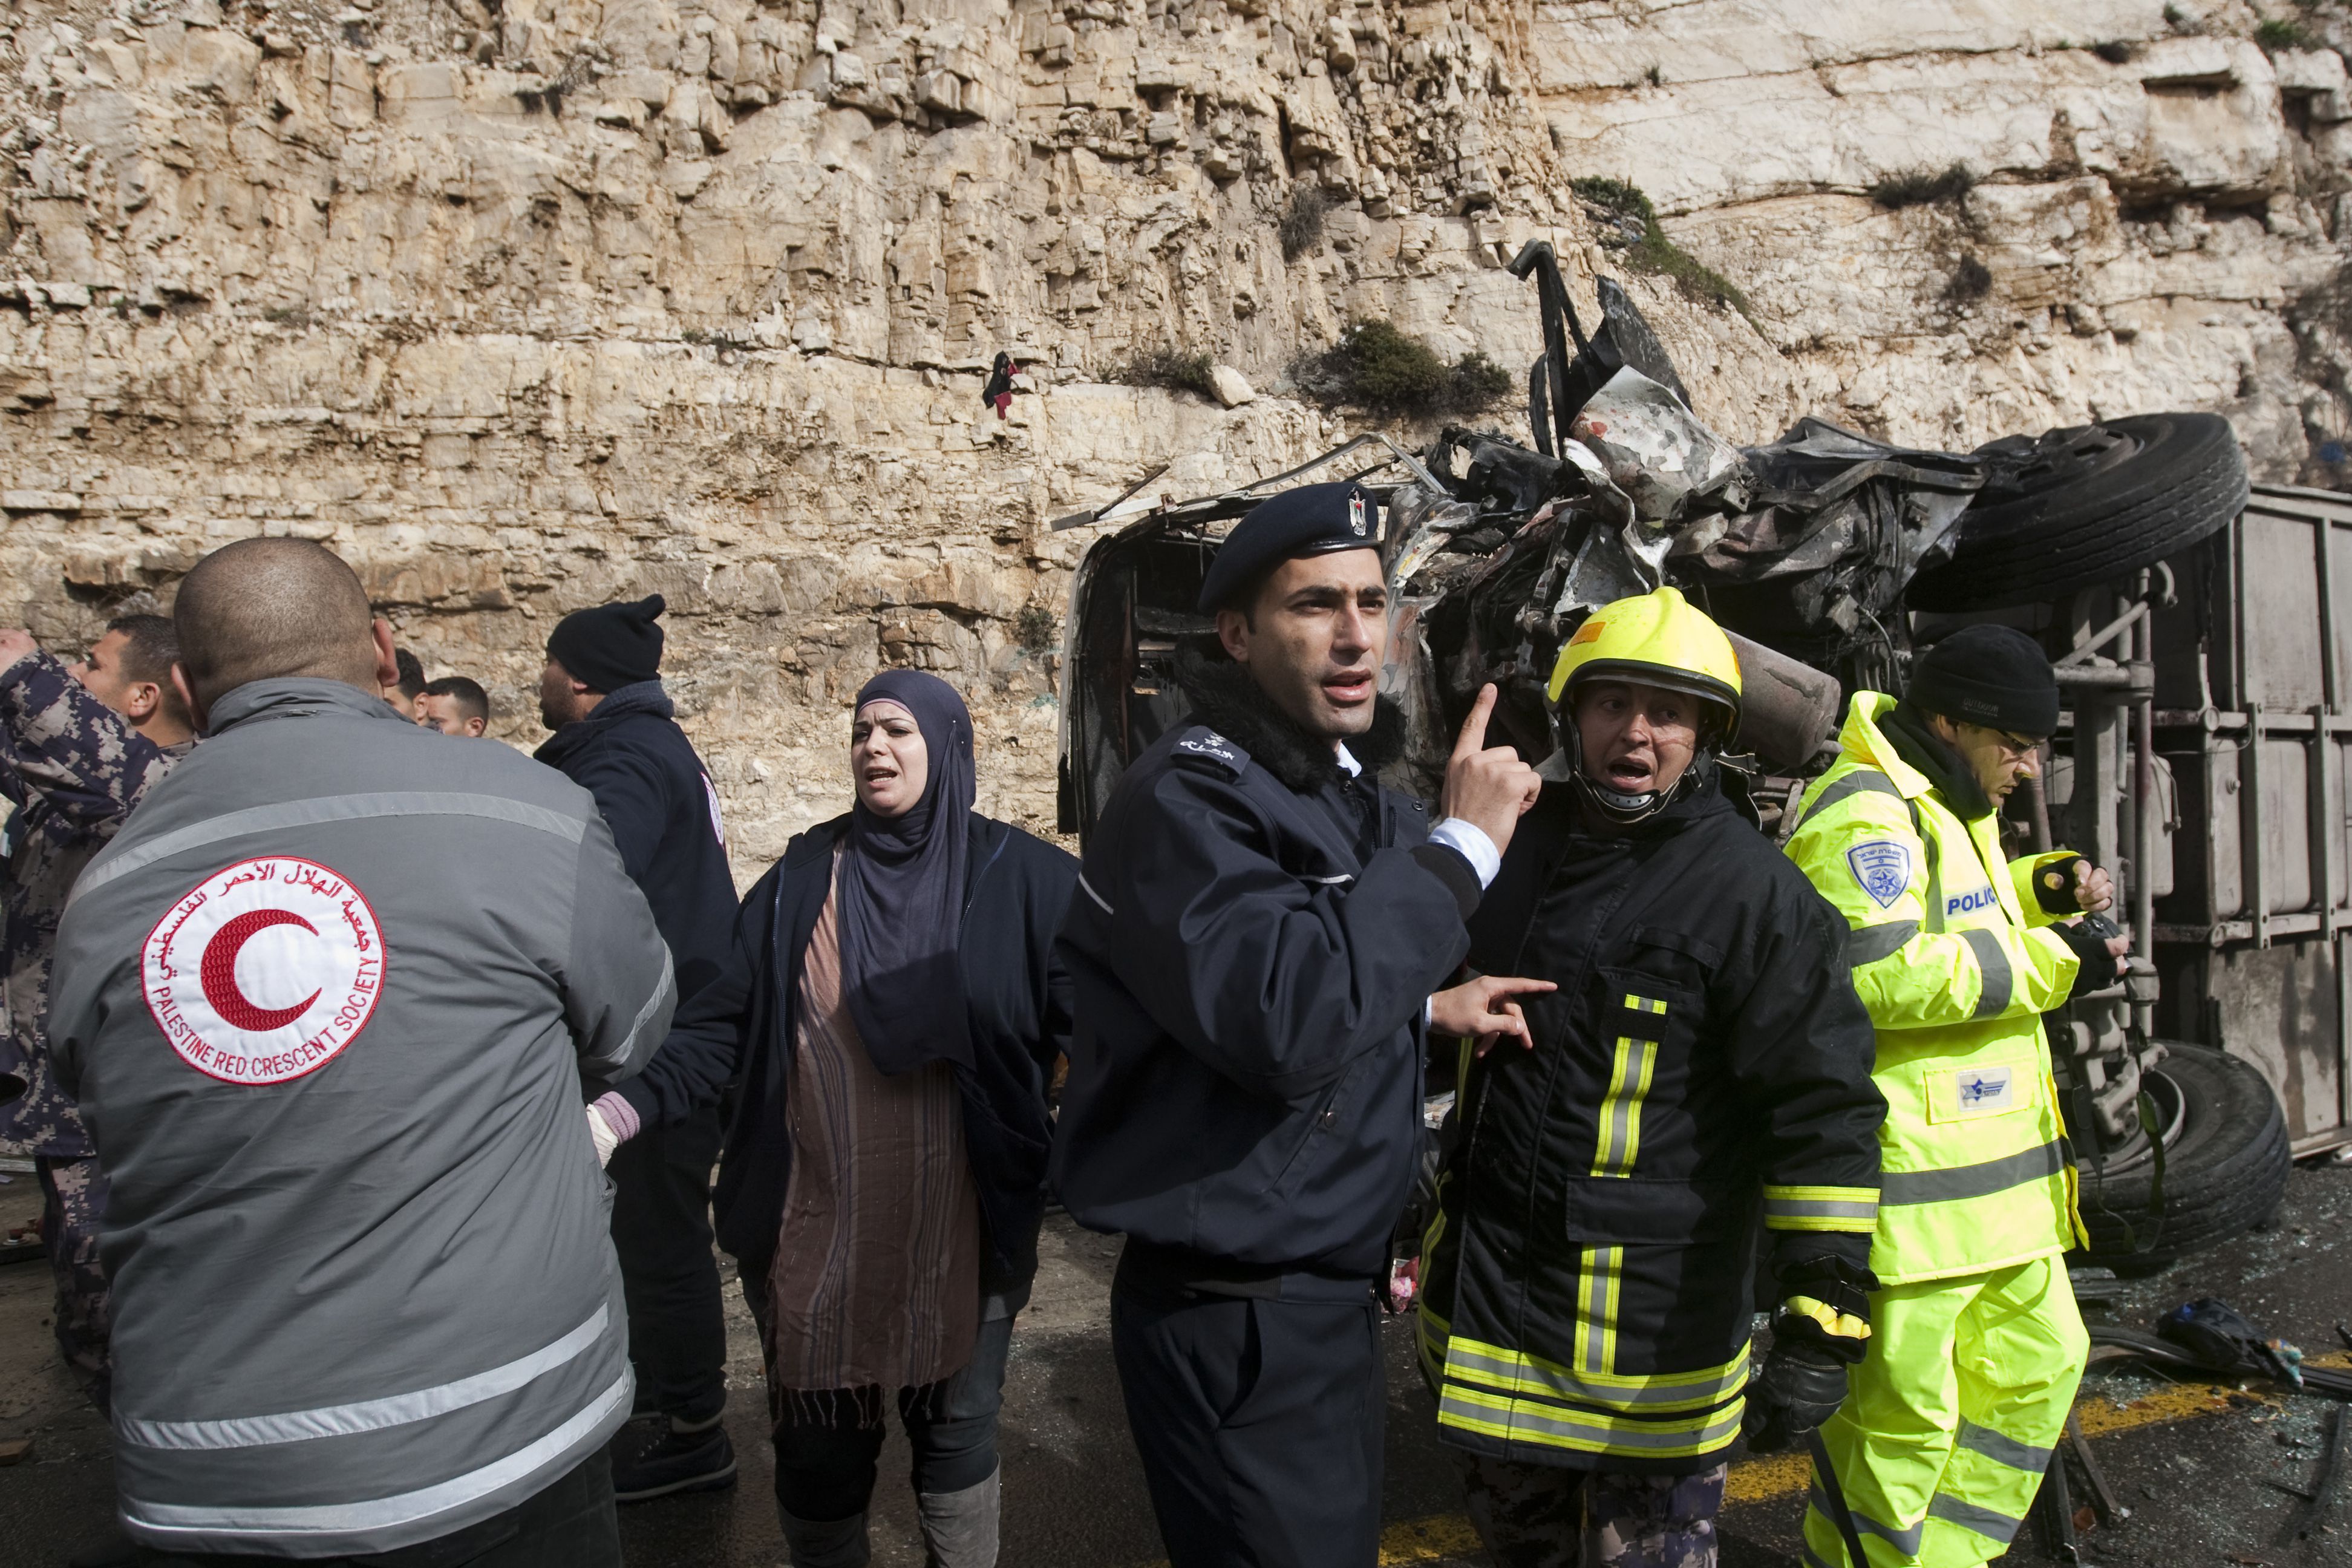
column 1809, row 550
column 1671, row 467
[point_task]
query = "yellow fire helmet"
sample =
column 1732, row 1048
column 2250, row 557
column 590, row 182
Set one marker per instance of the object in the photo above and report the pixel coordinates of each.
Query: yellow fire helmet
column 1657, row 639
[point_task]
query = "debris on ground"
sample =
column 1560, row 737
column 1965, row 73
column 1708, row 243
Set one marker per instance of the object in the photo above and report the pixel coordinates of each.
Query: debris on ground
column 2323, row 1492
column 2209, row 1338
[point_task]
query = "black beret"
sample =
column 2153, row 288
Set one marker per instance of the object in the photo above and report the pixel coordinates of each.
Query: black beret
column 1993, row 676
column 1313, row 520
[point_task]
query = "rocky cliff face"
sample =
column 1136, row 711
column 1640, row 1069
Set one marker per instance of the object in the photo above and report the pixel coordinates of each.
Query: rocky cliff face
column 525, row 304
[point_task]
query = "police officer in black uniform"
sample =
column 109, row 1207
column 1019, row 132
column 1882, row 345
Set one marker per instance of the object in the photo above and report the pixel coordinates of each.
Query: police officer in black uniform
column 1259, row 928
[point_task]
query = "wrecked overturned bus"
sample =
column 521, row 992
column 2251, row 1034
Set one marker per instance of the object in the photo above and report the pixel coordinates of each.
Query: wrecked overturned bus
column 2199, row 628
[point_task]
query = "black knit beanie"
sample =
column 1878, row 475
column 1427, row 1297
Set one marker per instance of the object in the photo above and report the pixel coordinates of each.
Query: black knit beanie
column 611, row 646
column 1993, row 676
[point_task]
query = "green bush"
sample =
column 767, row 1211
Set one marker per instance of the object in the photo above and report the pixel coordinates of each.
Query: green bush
column 1653, row 252
column 1390, row 369
column 2276, row 36
column 1377, row 367
column 1481, row 378
column 1177, row 370
column 1917, row 188
column 1621, row 197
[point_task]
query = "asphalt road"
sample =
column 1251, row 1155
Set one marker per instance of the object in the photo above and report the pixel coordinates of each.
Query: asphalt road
column 2209, row 1474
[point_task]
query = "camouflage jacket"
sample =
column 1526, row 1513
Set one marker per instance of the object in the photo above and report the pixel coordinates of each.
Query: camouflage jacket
column 73, row 768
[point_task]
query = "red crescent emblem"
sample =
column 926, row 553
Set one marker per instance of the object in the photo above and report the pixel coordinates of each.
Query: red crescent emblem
column 217, row 971
column 187, row 970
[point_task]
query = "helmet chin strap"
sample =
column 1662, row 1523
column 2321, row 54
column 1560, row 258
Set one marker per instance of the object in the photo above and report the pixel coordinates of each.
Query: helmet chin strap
column 1626, row 810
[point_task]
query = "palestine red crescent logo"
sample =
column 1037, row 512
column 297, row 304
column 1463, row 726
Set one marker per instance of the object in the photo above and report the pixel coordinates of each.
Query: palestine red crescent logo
column 265, row 971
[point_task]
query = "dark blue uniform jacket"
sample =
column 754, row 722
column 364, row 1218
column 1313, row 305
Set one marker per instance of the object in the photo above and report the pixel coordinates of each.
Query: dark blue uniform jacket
column 1244, row 1081
column 653, row 793
column 741, row 1030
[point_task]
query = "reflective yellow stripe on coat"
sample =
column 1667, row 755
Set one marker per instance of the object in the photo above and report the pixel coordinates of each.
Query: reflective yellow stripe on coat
column 1950, row 960
column 1527, row 1399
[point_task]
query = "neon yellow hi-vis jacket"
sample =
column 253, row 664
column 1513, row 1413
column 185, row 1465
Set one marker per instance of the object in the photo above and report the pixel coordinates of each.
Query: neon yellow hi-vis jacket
column 1955, row 969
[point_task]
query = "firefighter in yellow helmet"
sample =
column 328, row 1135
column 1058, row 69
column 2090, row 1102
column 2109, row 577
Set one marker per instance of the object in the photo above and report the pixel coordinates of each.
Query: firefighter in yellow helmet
column 1956, row 951
column 1700, row 1073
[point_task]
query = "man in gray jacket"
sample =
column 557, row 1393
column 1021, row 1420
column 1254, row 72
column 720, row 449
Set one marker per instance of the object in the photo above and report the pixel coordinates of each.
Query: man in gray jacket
column 329, row 1003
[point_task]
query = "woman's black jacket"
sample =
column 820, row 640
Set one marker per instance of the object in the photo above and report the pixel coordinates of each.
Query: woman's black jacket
column 739, row 1031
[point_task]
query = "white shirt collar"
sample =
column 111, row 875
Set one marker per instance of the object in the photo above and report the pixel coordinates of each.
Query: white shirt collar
column 1347, row 759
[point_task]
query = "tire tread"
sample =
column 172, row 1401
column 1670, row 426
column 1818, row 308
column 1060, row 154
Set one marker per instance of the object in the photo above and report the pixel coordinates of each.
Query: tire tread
column 2190, row 481
column 2231, row 1178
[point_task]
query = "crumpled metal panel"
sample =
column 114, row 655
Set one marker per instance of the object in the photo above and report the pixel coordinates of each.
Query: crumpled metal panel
column 1849, row 519
column 1613, row 555
column 1424, row 519
column 1655, row 450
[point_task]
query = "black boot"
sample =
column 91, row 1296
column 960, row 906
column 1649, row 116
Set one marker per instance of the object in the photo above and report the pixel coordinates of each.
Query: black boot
column 655, row 1456
column 826, row 1543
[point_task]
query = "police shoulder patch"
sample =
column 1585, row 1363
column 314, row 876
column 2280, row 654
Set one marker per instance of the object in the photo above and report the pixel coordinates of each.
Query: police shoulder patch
column 1201, row 744
column 1882, row 868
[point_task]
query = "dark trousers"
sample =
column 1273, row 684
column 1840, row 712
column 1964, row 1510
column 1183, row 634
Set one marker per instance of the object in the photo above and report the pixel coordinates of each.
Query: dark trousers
column 569, row 1524
column 661, row 1229
column 827, row 1445
column 1259, row 1423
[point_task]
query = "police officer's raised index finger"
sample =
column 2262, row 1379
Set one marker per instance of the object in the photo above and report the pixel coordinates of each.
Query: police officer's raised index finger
column 1473, row 729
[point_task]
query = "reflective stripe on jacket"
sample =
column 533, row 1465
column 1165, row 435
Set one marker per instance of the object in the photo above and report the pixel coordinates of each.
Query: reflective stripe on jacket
column 364, row 1291
column 1699, row 1081
column 1951, row 960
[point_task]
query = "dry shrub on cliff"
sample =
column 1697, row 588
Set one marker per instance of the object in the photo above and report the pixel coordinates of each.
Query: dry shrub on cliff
column 1636, row 234
column 1917, row 188
column 1034, row 628
column 1375, row 366
column 1302, row 220
column 1177, row 370
column 1972, row 280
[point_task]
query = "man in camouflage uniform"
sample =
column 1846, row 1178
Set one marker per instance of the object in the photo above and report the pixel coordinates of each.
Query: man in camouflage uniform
column 80, row 745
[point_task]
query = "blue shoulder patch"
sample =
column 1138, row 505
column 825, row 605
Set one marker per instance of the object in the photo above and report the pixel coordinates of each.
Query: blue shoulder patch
column 1202, row 744
column 1882, row 868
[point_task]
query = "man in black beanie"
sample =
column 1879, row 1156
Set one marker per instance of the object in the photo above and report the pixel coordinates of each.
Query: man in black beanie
column 616, row 737
column 1975, row 1344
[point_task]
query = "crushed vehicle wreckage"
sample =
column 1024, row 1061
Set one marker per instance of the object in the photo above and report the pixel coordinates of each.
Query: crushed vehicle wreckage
column 1829, row 555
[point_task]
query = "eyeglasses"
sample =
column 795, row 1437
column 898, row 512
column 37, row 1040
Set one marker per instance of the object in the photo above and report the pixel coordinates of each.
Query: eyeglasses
column 2015, row 748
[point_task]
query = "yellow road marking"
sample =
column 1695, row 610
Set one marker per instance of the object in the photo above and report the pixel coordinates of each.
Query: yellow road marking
column 1427, row 1540
column 1766, row 1477
column 2181, row 1401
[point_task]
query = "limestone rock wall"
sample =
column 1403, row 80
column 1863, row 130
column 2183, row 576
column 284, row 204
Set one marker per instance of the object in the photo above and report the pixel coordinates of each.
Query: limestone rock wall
column 525, row 304
column 2155, row 206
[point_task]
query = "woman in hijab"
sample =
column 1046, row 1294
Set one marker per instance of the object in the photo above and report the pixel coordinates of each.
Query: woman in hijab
column 889, row 1019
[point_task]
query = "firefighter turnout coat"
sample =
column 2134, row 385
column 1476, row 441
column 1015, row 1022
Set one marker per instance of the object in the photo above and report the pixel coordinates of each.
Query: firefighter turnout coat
column 1951, row 956
column 1703, row 1068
